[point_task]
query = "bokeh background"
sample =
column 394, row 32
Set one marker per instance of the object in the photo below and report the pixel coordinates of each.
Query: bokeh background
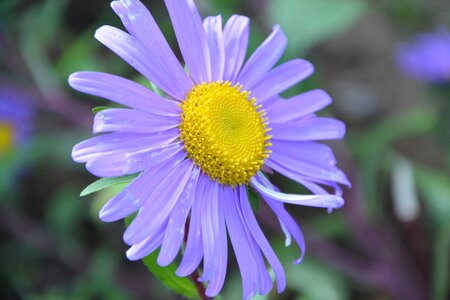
column 390, row 241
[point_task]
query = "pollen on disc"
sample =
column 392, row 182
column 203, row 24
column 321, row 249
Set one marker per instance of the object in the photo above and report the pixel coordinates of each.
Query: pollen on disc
column 224, row 131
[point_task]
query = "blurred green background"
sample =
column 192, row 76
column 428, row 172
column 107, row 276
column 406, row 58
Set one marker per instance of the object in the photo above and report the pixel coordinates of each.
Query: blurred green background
column 390, row 241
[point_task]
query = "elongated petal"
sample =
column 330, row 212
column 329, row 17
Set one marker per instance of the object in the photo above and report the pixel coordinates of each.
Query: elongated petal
column 161, row 200
column 140, row 23
column 210, row 230
column 261, row 240
column 325, row 172
column 214, row 35
column 287, row 223
column 118, row 164
column 147, row 246
column 131, row 120
column 317, row 153
column 133, row 197
column 191, row 38
column 281, row 78
column 263, row 59
column 218, row 278
column 133, row 52
column 120, row 142
column 193, row 252
column 122, row 91
column 235, row 35
column 174, row 235
column 310, row 129
column 298, row 106
column 241, row 246
column 324, row 201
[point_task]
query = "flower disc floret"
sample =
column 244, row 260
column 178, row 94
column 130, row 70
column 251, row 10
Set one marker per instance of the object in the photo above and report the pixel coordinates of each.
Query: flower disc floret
column 224, row 132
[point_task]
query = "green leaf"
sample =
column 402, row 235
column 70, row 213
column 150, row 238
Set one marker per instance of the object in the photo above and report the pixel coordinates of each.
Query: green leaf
column 96, row 109
column 309, row 22
column 157, row 90
column 104, row 183
column 180, row 285
column 254, row 199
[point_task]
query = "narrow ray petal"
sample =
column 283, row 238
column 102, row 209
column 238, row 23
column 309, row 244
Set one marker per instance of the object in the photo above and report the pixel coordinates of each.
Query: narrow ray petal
column 147, row 246
column 298, row 106
column 161, row 200
column 191, row 38
column 324, row 201
column 134, row 196
column 122, row 91
column 214, row 35
column 311, row 129
column 241, row 246
column 281, row 78
column 140, row 23
column 325, row 172
column 131, row 120
column 210, row 230
column 218, row 278
column 173, row 238
column 119, row 164
column 263, row 59
column 235, row 34
column 120, row 142
column 133, row 52
column 193, row 252
column 261, row 240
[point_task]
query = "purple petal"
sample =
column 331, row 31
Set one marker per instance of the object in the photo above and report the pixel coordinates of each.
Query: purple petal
column 213, row 29
column 311, row 169
column 241, row 245
column 235, row 35
column 174, row 235
column 161, row 200
column 133, row 197
column 123, row 163
column 218, row 278
column 313, row 152
column 263, row 59
column 309, row 129
column 191, row 38
column 130, row 120
column 122, row 91
column 140, row 23
column 298, row 106
column 325, row 201
column 193, row 252
column 261, row 240
column 147, row 246
column 210, row 229
column 133, row 52
column 287, row 223
column 281, row 78
column 120, row 142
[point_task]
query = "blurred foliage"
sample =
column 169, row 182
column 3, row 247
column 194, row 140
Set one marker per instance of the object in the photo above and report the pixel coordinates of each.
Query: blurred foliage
column 53, row 245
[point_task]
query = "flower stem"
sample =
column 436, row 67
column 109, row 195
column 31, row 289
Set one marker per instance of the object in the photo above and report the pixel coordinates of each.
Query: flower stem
column 200, row 287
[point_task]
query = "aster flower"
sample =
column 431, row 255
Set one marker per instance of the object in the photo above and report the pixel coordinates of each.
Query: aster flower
column 426, row 57
column 15, row 119
column 221, row 125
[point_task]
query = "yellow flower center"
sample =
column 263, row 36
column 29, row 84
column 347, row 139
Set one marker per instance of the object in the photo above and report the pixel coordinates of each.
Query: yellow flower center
column 224, row 131
column 6, row 138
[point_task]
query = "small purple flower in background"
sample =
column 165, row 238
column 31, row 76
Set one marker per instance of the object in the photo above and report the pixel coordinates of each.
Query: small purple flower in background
column 15, row 119
column 197, row 149
column 426, row 57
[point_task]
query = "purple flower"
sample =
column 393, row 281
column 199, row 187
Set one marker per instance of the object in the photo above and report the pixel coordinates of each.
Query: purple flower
column 200, row 147
column 15, row 119
column 427, row 57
